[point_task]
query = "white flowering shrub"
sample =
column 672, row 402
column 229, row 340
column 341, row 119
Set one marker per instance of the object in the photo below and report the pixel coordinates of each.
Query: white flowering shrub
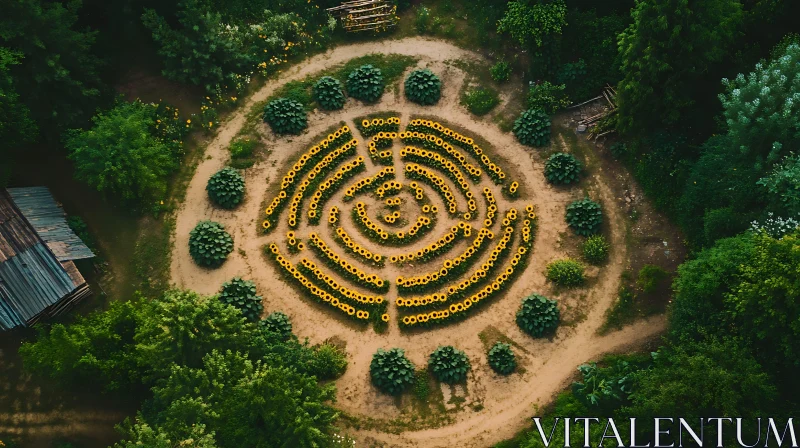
column 775, row 226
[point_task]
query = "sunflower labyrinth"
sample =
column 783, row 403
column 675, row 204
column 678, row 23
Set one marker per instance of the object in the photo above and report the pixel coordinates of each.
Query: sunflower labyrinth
column 412, row 219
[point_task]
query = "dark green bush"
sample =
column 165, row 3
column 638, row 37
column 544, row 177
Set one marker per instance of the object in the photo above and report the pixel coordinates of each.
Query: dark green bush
column 595, row 249
column 423, row 87
column 500, row 71
column 566, row 272
column 328, row 93
column 209, row 244
column 502, row 359
column 226, row 188
column 449, row 365
column 277, row 323
column 365, row 83
column 562, row 168
column 391, row 371
column 538, row 315
column 584, row 216
column 480, row 101
column 285, row 116
column 330, row 362
column 547, row 97
column 242, row 295
column 532, row 128
column 242, row 148
column 650, row 277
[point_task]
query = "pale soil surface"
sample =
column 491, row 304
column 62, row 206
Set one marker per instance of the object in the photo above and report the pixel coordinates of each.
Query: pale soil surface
column 491, row 408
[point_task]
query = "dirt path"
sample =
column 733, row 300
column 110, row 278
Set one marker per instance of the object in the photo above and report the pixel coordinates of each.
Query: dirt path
column 494, row 407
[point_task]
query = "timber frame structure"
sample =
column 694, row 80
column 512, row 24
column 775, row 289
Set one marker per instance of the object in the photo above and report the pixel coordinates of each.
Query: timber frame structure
column 365, row 15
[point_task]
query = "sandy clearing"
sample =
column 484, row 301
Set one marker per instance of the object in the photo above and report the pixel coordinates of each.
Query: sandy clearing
column 507, row 403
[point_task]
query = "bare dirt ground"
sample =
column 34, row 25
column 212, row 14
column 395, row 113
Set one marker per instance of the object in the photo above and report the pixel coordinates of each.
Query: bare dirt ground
column 490, row 408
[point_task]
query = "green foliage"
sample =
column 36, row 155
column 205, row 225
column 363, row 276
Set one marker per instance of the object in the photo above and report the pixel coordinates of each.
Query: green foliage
column 566, row 272
column 421, row 387
column 481, row 100
column 328, row 93
column 502, row 359
column 50, row 57
column 241, row 294
column 663, row 52
column 449, row 365
column 562, row 168
column 532, row 128
column 538, row 316
column 547, row 97
column 650, row 276
column 209, row 244
column 285, row 116
column 140, row 434
column 242, row 148
column 762, row 110
column 16, row 125
column 391, row 371
column 365, row 83
column 226, row 188
column 329, row 362
column 595, row 249
column 422, row 19
column 605, row 389
column 121, row 155
column 532, row 24
column 500, row 71
column 422, row 86
column 278, row 323
column 584, row 216
column 783, row 184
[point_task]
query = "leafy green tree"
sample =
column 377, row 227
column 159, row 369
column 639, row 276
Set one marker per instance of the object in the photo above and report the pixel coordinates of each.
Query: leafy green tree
column 605, row 389
column 16, row 125
column 669, row 44
column 762, row 110
column 120, row 155
column 532, row 22
column 140, row 434
column 783, row 185
column 57, row 76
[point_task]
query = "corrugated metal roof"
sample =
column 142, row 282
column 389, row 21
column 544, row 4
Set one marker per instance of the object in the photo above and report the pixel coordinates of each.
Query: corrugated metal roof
column 49, row 221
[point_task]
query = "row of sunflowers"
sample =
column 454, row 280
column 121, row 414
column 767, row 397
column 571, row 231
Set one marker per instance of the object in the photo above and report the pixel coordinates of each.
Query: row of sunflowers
column 340, row 264
column 435, row 249
column 419, row 172
column 381, row 140
column 368, row 183
column 327, row 188
column 437, row 144
column 369, row 127
column 352, row 247
column 381, row 236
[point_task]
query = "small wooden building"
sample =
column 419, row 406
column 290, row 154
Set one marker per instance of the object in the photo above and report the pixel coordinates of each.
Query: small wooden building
column 38, row 278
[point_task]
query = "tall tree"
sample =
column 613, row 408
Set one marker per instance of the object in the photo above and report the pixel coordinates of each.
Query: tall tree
column 668, row 45
column 536, row 25
column 16, row 125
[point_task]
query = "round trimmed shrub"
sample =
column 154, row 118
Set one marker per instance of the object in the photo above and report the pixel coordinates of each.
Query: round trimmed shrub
column 242, row 295
column 532, row 128
column 365, row 83
column 328, row 93
column 391, row 371
column 226, row 188
column 449, row 365
column 538, row 315
column 209, row 244
column 423, row 87
column 562, row 168
column 277, row 323
column 500, row 71
column 566, row 272
column 285, row 116
column 595, row 249
column 584, row 216
column 502, row 359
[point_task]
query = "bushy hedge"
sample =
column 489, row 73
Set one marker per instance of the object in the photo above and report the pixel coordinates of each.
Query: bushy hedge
column 423, row 87
column 584, row 216
column 500, row 71
column 595, row 249
column 209, row 244
column 480, row 101
column 562, row 168
column 566, row 272
column 226, row 188
column 365, row 83
column 278, row 323
column 538, row 315
column 242, row 295
column 502, row 359
column 532, row 128
column 391, row 371
column 449, row 365
column 328, row 93
column 285, row 116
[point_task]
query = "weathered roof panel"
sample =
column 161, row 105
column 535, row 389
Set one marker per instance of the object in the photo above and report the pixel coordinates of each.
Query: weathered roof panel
column 49, row 221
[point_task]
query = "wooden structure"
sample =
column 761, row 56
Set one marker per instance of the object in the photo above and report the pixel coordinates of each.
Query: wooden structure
column 365, row 15
column 38, row 277
column 601, row 106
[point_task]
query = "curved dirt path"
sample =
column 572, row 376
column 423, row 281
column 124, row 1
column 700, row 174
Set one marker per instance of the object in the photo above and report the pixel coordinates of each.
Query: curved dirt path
column 495, row 407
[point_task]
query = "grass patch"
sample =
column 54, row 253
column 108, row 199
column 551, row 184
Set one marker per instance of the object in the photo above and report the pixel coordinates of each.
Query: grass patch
column 480, row 101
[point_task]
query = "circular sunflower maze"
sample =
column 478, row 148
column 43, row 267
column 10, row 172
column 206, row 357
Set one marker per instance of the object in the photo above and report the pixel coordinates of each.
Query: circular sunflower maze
column 403, row 225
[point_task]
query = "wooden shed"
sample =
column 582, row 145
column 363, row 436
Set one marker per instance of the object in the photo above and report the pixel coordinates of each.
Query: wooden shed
column 38, row 277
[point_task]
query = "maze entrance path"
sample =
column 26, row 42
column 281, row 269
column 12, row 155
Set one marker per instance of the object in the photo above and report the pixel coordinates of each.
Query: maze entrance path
column 506, row 403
